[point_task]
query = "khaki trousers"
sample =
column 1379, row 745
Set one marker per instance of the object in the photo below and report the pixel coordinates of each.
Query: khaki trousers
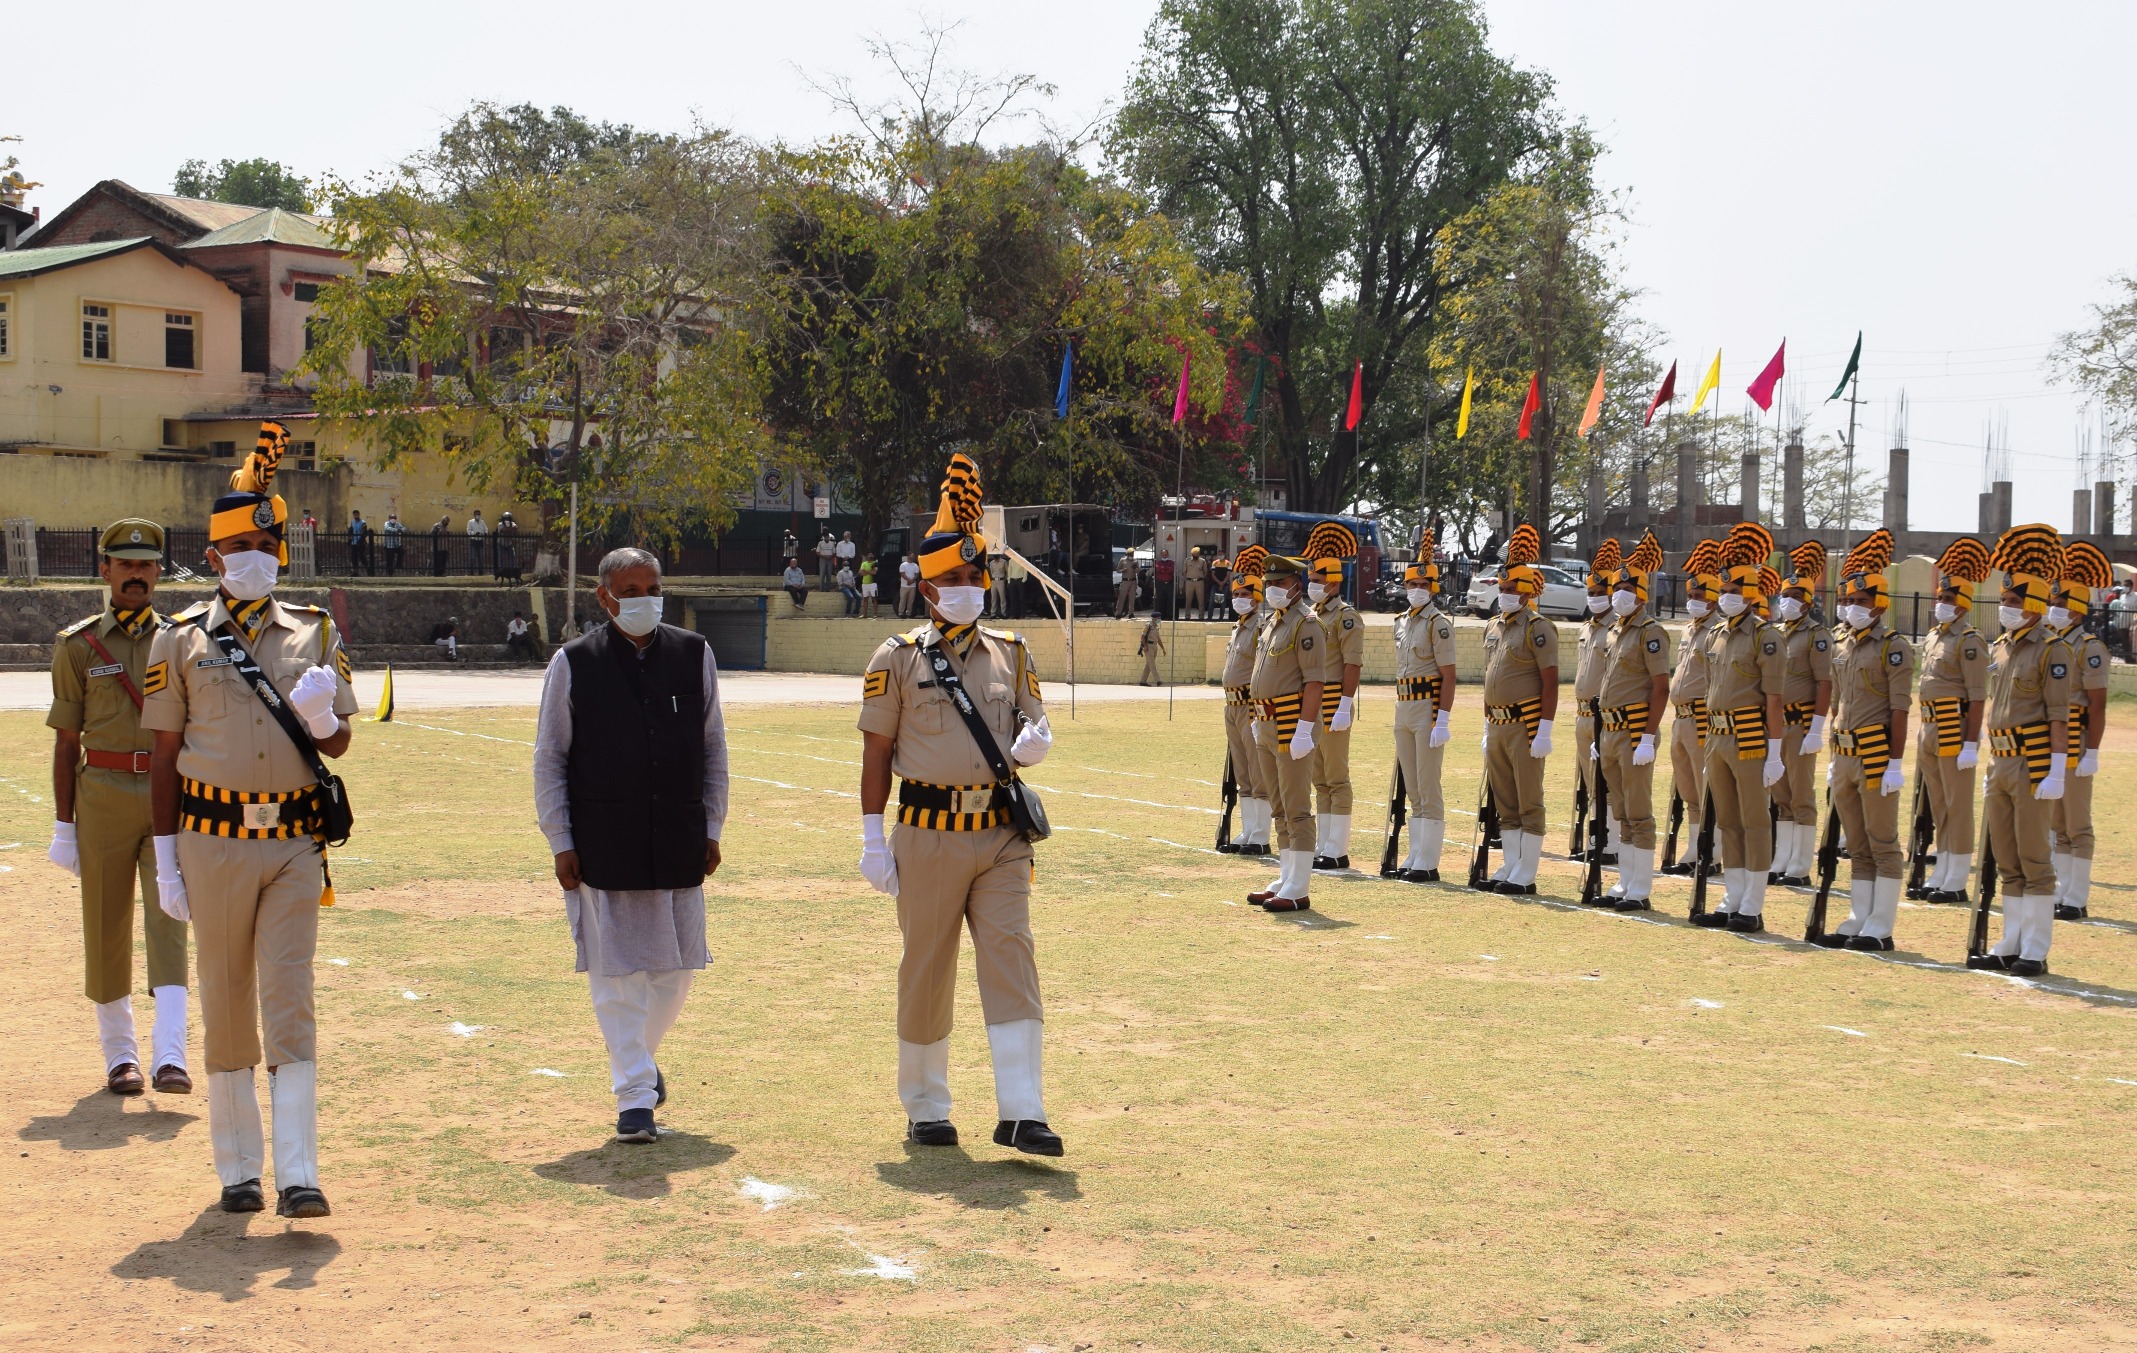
column 111, row 829
column 1331, row 767
column 1239, row 741
column 1797, row 794
column 1870, row 820
column 1288, row 784
column 2070, row 817
column 2018, row 827
column 1197, row 597
column 1632, row 789
column 255, row 932
column 1688, row 773
column 946, row 881
column 1951, row 794
column 1583, row 741
column 1421, row 763
column 1741, row 820
column 1516, row 777
column 1124, row 598
column 1150, row 666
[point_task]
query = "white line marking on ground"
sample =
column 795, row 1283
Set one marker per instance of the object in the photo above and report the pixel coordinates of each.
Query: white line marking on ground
column 339, row 962
column 1489, row 958
column 410, row 996
column 1705, row 1004
column 1377, row 937
column 462, row 733
column 771, row 1195
column 466, row 1030
column 1838, row 1029
column 1989, row 1057
column 548, row 1071
column 880, row 1266
column 2117, row 1080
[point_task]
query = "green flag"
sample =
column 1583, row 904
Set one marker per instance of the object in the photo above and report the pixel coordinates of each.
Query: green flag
column 1261, row 368
column 1854, row 360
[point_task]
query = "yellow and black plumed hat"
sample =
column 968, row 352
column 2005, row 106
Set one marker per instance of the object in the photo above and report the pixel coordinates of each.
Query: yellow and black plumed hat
column 1865, row 568
column 1806, row 566
column 1604, row 564
column 1744, row 553
column 1703, row 565
column 1522, row 552
column 1424, row 571
column 1645, row 560
column 252, row 504
column 2085, row 571
column 1247, row 569
column 2032, row 556
column 1328, row 545
column 955, row 537
column 1962, row 567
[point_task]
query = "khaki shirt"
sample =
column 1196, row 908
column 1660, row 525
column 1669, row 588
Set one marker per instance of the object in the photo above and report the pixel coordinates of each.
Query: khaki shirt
column 1635, row 653
column 1345, row 630
column 87, row 696
column 1292, row 650
column 1955, row 662
column 1689, row 681
column 1873, row 680
column 2030, row 678
column 1424, row 643
column 1743, row 662
column 2088, row 672
column 1517, row 647
column 1807, row 650
column 231, row 740
column 1588, row 664
column 1197, row 570
column 1239, row 649
column 930, row 742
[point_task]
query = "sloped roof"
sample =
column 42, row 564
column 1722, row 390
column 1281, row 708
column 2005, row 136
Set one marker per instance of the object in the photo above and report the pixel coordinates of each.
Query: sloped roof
column 202, row 212
column 191, row 217
column 31, row 262
column 272, row 226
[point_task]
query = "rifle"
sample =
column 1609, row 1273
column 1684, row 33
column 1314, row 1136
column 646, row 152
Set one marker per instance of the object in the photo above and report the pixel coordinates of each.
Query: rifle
column 1591, row 888
column 1574, row 850
column 1669, row 849
column 1922, row 837
column 1977, row 934
column 1398, row 812
column 1703, row 855
column 1828, row 867
column 1487, row 834
column 1230, row 795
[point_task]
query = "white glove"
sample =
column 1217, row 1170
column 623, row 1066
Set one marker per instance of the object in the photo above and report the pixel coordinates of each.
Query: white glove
column 1540, row 745
column 2089, row 764
column 1832, row 773
column 1774, row 768
column 1302, row 741
column 1033, row 742
column 1340, row 722
column 170, row 884
column 1256, row 726
column 313, row 699
column 1441, row 733
column 1969, row 755
column 1895, row 775
column 2052, row 786
column 64, row 852
column 1484, row 743
column 877, row 866
column 1815, row 735
column 1643, row 751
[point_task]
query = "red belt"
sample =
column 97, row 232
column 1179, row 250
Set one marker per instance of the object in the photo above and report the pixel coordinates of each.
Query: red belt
column 136, row 762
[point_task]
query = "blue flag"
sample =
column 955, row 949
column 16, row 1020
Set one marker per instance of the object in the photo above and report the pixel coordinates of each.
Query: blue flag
column 1068, row 366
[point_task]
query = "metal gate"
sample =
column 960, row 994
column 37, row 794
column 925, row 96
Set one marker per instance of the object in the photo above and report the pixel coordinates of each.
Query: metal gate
column 734, row 626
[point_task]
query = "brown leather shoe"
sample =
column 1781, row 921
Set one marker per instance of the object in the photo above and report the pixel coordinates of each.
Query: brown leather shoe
column 124, row 1079
column 1280, row 904
column 1260, row 899
column 172, row 1080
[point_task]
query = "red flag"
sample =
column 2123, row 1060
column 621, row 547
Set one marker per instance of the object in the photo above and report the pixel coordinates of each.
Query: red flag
column 1761, row 390
column 1357, row 397
column 1179, row 401
column 1530, row 405
column 1663, row 396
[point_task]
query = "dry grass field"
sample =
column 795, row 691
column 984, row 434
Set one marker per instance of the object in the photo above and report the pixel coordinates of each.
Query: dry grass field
column 1414, row 1118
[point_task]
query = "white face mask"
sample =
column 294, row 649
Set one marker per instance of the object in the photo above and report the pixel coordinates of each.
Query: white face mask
column 1697, row 609
column 1510, row 602
column 1420, row 597
column 1242, row 605
column 1317, row 592
column 249, row 575
column 1277, row 598
column 1598, row 605
column 2058, row 616
column 1946, row 613
column 1732, row 604
column 2012, row 617
column 637, row 616
column 960, row 605
column 1624, row 603
column 1791, row 609
column 1858, row 617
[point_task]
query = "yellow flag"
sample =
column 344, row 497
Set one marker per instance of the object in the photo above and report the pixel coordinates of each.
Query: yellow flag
column 1469, row 385
column 1710, row 384
column 1595, row 405
column 385, row 705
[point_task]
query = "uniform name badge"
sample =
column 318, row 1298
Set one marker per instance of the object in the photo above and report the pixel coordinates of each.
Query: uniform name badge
column 262, row 816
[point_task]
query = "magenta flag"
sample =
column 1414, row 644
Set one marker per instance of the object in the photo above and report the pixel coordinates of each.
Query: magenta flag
column 1761, row 390
column 1179, row 401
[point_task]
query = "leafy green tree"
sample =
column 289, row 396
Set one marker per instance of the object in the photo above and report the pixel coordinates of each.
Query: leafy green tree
column 248, row 183
column 2102, row 360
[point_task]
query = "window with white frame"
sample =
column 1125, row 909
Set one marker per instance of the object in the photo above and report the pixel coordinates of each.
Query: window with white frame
column 96, row 332
column 181, row 344
column 7, row 313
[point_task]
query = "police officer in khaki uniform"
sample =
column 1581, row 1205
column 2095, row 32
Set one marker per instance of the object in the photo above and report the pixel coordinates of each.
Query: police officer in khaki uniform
column 2031, row 677
column 1634, row 689
column 1807, row 654
column 238, row 819
column 1196, row 575
column 1520, row 706
column 1343, row 629
column 1424, row 708
column 2085, row 571
column 955, row 859
column 1688, row 688
column 1744, row 685
column 1239, row 650
column 100, row 762
column 1873, row 684
column 1292, row 669
column 1953, row 699
column 1593, row 637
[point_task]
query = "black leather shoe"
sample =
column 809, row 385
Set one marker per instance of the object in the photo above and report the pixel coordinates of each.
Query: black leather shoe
column 1516, row 889
column 1610, row 858
column 1746, row 925
column 1487, row 886
column 1632, row 904
column 245, row 1197
column 1794, row 880
column 1420, row 876
column 2027, row 967
column 1950, row 897
column 660, row 1088
column 1253, row 850
column 635, row 1126
column 1331, row 861
column 1679, row 870
column 1870, row 944
column 1917, row 893
column 1988, row 962
column 1832, row 939
column 1276, row 904
column 300, row 1200
column 2065, row 912
column 1228, row 848
column 1028, row 1135
column 939, row 1132
column 1713, row 920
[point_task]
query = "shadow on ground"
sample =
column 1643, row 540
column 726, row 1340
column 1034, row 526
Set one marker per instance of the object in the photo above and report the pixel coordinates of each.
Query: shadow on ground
column 101, row 1121
column 950, row 1172
column 219, row 1253
column 638, row 1171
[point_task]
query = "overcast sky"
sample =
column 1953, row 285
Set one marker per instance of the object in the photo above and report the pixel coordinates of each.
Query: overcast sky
column 1950, row 178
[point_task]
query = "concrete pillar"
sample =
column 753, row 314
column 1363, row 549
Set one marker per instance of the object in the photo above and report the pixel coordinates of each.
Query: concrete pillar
column 1688, row 495
column 1896, row 490
column 1987, row 525
column 2000, row 522
column 2103, row 507
column 1591, row 531
column 1748, row 481
column 1792, row 519
column 2081, row 512
column 1638, row 521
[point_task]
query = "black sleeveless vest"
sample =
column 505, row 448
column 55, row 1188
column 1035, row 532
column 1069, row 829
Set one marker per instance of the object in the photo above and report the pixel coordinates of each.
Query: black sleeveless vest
column 636, row 773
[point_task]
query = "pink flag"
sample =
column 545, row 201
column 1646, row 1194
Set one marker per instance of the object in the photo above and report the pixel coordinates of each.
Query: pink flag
column 1179, row 401
column 1761, row 390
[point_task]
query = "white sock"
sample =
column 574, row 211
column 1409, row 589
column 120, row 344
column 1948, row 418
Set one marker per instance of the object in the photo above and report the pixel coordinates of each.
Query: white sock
column 294, row 1088
column 1531, row 855
column 924, row 1080
column 169, row 1036
column 2080, row 888
column 2061, row 861
column 1510, row 849
column 1636, row 873
column 2014, row 926
column 1341, row 822
column 1753, row 902
column 1861, row 893
column 2039, row 930
column 115, row 1030
column 1884, row 908
column 234, row 1127
column 1015, row 1045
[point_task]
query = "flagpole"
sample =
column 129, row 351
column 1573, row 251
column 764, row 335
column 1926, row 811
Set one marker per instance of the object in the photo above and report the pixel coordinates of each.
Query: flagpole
column 1847, row 493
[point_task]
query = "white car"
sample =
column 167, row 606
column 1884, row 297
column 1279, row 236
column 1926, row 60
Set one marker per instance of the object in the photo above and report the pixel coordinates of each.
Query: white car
column 1565, row 596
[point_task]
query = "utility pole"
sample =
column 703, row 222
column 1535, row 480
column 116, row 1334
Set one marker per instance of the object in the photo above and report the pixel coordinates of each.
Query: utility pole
column 571, row 565
column 1847, row 492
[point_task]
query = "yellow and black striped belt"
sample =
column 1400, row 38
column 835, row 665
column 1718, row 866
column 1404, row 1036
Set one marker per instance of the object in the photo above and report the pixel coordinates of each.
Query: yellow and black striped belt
column 1527, row 713
column 1798, row 715
column 952, row 808
column 1283, row 711
column 1696, row 711
column 1237, row 695
column 1418, row 688
column 1870, row 744
column 1947, row 715
column 2027, row 740
column 1627, row 719
column 1745, row 723
column 245, row 815
column 2078, row 720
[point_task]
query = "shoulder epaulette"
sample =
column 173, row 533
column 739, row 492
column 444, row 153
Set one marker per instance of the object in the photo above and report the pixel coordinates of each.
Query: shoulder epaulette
column 193, row 612
column 78, row 626
column 304, row 606
column 911, row 636
column 1007, row 636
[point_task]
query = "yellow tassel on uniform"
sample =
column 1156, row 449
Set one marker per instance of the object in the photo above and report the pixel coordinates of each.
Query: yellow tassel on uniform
column 326, row 894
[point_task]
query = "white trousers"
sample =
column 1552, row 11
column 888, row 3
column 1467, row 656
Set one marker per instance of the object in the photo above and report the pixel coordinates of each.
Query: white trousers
column 635, row 1012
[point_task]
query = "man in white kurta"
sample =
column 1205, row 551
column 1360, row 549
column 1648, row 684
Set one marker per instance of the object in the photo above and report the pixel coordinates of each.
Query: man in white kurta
column 637, row 945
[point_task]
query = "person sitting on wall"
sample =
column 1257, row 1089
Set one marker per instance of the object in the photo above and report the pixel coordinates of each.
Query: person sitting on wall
column 519, row 639
column 446, row 635
column 797, row 585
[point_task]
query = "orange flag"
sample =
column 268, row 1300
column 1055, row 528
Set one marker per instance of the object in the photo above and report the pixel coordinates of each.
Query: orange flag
column 1595, row 405
column 1530, row 406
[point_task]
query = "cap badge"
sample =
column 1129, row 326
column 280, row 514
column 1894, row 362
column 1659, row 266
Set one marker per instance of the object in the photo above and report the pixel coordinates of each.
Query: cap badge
column 263, row 515
column 966, row 550
column 135, row 537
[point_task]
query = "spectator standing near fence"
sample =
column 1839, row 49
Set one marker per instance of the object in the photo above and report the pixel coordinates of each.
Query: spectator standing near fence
column 1163, row 605
column 478, row 531
column 908, row 585
column 826, row 559
column 797, row 584
column 868, row 589
column 359, row 543
column 506, row 558
column 392, row 531
column 848, row 552
column 438, row 538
